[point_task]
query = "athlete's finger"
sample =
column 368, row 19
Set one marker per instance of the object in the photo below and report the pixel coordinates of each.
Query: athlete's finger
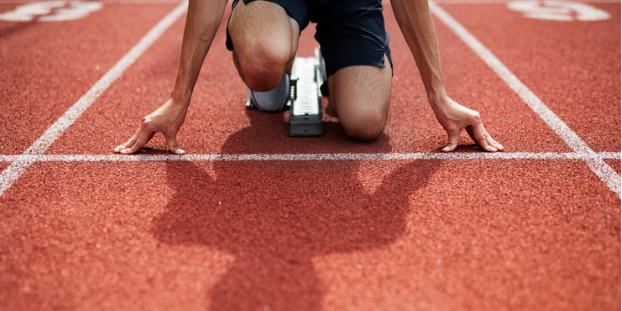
column 143, row 137
column 128, row 143
column 452, row 143
column 494, row 143
column 171, row 141
column 480, row 136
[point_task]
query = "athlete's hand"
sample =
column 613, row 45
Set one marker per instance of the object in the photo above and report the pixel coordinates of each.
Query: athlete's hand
column 167, row 120
column 454, row 118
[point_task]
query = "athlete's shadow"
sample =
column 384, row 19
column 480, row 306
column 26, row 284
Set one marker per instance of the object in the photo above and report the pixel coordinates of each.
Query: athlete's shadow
column 276, row 216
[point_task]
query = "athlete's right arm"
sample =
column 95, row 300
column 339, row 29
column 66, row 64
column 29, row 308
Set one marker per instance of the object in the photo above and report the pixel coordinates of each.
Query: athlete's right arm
column 202, row 22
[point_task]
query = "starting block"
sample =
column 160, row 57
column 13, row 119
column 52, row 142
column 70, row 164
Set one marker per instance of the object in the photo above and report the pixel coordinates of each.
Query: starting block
column 308, row 75
column 305, row 96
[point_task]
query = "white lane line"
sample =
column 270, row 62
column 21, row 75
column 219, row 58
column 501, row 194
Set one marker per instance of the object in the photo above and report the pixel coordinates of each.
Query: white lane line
column 609, row 176
column 310, row 157
column 19, row 166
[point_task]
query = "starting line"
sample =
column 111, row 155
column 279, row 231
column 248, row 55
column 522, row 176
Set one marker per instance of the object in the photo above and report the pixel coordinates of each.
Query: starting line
column 309, row 157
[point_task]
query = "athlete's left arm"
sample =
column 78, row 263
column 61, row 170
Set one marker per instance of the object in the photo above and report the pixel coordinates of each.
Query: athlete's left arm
column 415, row 21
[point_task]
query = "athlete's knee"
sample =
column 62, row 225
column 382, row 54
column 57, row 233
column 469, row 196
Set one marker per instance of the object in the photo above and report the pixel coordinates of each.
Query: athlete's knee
column 365, row 125
column 262, row 65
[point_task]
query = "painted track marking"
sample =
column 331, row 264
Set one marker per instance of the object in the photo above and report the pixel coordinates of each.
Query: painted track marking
column 51, row 11
column 19, row 166
column 309, row 157
column 608, row 175
column 555, row 10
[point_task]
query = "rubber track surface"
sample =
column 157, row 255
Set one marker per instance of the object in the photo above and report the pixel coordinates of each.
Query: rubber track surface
column 360, row 232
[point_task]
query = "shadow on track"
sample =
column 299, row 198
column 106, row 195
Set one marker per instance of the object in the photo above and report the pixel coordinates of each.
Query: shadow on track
column 275, row 216
column 17, row 27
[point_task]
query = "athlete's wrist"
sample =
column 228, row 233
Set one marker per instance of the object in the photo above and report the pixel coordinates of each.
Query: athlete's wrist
column 181, row 97
column 438, row 99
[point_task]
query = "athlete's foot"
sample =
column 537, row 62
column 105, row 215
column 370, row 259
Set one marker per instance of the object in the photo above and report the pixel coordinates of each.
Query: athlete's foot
column 329, row 111
column 273, row 100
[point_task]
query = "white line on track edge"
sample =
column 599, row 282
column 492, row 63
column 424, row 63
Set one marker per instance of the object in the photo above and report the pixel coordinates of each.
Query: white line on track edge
column 609, row 176
column 19, row 166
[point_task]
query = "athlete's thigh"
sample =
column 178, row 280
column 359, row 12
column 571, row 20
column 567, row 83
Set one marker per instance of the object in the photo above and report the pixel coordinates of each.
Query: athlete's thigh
column 262, row 26
column 360, row 94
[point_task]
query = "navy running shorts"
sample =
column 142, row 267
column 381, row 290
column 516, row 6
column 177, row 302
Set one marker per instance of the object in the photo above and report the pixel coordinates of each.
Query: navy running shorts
column 350, row 32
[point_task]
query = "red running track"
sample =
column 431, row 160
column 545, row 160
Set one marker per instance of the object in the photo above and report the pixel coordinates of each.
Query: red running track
column 355, row 234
